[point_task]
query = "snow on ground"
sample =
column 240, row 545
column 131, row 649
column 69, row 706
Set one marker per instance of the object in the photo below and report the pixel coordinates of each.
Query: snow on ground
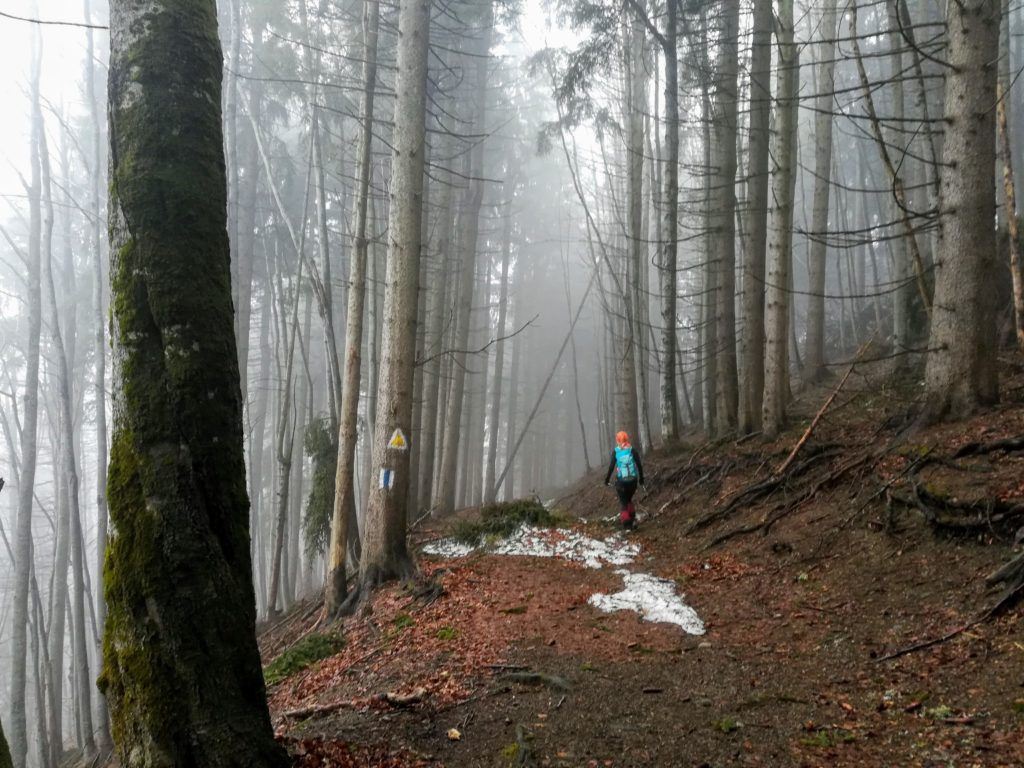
column 566, row 544
column 653, row 598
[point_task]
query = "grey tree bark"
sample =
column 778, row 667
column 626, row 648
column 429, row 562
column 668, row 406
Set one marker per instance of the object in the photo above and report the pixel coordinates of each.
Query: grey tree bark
column 724, row 213
column 752, row 336
column 99, row 388
column 469, row 223
column 780, row 242
column 385, row 554
column 181, row 666
column 961, row 376
column 343, row 517
column 29, row 424
column 814, row 358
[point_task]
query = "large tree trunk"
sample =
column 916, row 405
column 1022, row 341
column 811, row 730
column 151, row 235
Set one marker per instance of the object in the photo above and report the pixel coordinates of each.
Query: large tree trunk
column 815, row 355
column 752, row 336
column 961, row 376
column 780, row 243
column 29, row 423
column 343, row 517
column 181, row 666
column 725, row 216
column 385, row 554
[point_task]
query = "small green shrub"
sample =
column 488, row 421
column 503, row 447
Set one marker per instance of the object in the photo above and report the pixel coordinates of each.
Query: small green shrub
column 403, row 621
column 498, row 521
column 308, row 650
column 727, row 725
column 447, row 633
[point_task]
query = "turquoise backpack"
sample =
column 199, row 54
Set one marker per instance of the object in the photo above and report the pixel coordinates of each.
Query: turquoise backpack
column 625, row 467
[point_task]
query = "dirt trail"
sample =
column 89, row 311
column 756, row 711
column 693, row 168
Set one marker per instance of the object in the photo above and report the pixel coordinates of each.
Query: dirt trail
column 512, row 656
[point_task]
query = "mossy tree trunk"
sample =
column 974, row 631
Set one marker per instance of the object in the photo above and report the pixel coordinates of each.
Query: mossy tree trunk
column 181, row 667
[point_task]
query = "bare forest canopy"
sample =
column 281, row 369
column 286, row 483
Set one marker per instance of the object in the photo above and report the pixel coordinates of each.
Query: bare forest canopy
column 457, row 270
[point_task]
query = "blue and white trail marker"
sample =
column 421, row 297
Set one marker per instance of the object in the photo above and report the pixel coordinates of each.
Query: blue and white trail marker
column 387, row 479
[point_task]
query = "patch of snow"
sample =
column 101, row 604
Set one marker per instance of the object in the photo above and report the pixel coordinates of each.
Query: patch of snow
column 569, row 545
column 653, row 598
column 447, row 548
column 528, row 541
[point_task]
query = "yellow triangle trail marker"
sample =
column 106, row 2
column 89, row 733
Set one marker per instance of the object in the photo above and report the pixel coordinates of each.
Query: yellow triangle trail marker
column 398, row 441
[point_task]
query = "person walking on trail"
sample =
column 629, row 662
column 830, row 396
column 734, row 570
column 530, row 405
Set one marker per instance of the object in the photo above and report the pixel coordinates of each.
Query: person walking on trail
column 629, row 473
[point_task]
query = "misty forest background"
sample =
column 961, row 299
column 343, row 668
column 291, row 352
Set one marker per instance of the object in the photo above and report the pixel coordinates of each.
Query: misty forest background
column 663, row 217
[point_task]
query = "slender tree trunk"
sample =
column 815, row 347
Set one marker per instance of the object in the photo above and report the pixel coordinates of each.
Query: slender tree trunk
column 670, row 234
column 961, row 375
column 815, row 356
column 181, row 665
column 635, row 246
column 1009, row 189
column 725, row 216
column 469, row 223
column 780, row 243
column 343, row 516
column 385, row 554
column 752, row 336
column 490, row 487
column 433, row 413
column 29, row 423
column 99, row 358
column 5, row 753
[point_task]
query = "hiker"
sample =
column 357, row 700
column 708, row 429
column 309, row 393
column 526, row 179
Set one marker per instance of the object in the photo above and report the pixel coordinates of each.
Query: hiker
column 629, row 473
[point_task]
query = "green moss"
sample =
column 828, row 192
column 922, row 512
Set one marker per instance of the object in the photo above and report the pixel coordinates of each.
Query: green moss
column 403, row 621
column 727, row 725
column 827, row 739
column 500, row 520
column 321, row 445
column 1017, row 706
column 509, row 751
column 447, row 633
column 310, row 649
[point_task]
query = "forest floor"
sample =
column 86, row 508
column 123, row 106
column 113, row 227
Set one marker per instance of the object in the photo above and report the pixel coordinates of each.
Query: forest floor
column 874, row 540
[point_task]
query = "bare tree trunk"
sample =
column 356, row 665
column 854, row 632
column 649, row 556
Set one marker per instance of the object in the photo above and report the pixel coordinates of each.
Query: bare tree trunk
column 181, row 665
column 752, row 337
column 725, row 216
column 490, row 487
column 636, row 390
column 815, row 355
column 69, row 481
column 343, row 517
column 1009, row 189
column 961, row 375
column 30, row 414
column 433, row 413
column 469, row 223
column 780, row 243
column 385, row 554
column 99, row 359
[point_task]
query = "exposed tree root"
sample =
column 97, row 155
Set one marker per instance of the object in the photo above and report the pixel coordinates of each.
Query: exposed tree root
column 1008, row 444
column 401, row 569
column 754, row 492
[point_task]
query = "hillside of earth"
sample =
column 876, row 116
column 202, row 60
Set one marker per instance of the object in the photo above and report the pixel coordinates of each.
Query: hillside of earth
column 821, row 599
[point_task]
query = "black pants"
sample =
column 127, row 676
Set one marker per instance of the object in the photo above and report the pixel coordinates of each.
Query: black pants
column 625, row 490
